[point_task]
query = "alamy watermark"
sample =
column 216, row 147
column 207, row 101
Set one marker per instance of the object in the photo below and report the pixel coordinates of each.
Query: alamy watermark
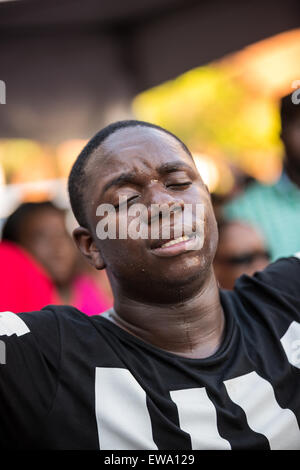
column 2, row 92
column 296, row 93
column 174, row 223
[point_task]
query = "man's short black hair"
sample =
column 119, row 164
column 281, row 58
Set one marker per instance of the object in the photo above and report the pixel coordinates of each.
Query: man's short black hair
column 289, row 110
column 77, row 178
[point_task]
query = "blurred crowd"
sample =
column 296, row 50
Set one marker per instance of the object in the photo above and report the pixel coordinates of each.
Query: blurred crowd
column 43, row 265
column 258, row 223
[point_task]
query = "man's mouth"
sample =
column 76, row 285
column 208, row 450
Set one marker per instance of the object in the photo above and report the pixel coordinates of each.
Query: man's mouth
column 170, row 241
column 176, row 241
column 176, row 246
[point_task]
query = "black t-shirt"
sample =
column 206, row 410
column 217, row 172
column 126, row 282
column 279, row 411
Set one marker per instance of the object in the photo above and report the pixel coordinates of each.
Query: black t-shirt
column 70, row 381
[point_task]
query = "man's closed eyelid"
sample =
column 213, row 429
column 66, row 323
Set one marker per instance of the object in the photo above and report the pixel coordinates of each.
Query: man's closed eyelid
column 126, row 201
column 186, row 183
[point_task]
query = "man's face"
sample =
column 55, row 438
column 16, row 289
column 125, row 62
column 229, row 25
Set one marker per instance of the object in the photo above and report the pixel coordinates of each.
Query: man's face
column 155, row 169
column 241, row 250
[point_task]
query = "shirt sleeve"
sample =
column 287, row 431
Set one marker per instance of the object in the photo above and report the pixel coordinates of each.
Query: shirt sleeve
column 29, row 366
column 277, row 287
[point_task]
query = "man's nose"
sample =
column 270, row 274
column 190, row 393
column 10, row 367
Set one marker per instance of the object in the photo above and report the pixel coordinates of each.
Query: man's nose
column 160, row 201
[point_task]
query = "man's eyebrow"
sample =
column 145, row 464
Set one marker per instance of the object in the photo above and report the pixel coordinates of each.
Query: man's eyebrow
column 131, row 177
column 118, row 180
column 171, row 167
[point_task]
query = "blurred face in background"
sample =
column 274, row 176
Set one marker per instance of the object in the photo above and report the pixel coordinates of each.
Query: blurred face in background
column 44, row 235
column 241, row 250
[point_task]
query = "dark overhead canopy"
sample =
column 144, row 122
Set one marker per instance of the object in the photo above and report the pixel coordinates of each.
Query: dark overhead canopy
column 72, row 65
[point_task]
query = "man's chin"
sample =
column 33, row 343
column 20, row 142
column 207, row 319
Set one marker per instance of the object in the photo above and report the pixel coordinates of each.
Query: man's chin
column 180, row 270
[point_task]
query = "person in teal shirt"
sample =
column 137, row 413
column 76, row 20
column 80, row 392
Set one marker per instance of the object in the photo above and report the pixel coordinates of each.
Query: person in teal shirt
column 274, row 209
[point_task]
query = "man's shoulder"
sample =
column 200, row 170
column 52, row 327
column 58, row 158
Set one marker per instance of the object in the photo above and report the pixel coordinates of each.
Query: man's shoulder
column 275, row 289
column 282, row 274
column 43, row 323
column 52, row 313
column 49, row 332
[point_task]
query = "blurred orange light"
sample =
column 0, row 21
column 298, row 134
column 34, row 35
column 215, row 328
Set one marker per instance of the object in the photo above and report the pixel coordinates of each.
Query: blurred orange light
column 67, row 153
column 270, row 66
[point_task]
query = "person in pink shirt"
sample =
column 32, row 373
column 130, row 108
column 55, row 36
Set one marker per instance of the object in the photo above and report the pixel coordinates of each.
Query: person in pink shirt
column 40, row 230
column 88, row 297
column 24, row 284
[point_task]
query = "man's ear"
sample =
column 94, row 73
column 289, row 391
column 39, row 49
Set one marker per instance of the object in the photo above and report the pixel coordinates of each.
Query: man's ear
column 88, row 248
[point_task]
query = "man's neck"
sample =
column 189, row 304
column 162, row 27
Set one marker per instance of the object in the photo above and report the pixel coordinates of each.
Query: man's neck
column 193, row 328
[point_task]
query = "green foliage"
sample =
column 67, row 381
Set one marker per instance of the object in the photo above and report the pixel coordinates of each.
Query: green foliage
column 209, row 109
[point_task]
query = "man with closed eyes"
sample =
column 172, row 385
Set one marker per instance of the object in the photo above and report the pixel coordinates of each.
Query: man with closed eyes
column 177, row 363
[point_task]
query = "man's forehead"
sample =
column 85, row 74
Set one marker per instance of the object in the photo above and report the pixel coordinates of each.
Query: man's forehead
column 135, row 143
column 131, row 137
